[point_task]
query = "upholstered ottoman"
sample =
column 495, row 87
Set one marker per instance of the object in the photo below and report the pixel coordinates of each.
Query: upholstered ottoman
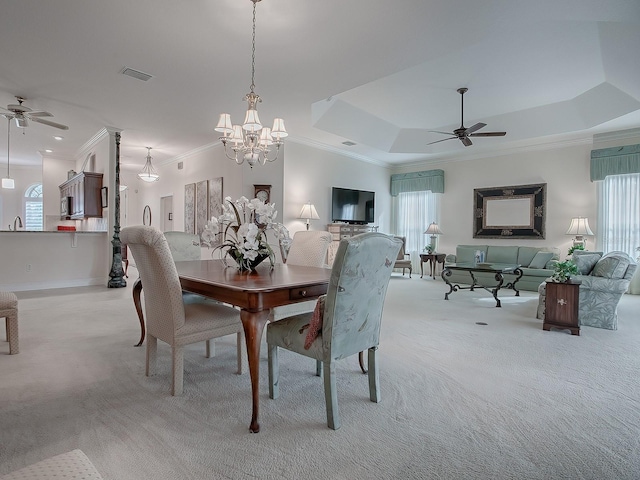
column 74, row 465
column 9, row 310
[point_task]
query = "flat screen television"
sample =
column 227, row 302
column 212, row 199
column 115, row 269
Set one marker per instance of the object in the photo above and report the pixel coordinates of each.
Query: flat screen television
column 352, row 206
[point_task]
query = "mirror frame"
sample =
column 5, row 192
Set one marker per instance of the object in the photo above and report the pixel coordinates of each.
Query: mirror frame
column 534, row 228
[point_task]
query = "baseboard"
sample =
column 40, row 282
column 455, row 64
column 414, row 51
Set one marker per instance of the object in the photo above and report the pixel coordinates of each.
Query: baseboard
column 80, row 282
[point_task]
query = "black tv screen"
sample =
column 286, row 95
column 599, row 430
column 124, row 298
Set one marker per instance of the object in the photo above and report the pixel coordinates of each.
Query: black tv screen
column 352, row 206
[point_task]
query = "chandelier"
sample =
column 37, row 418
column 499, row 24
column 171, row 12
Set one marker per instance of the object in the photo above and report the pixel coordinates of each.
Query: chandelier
column 148, row 173
column 251, row 141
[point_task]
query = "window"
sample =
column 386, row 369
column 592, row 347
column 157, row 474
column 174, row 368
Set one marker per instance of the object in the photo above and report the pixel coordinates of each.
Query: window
column 619, row 213
column 33, row 217
column 414, row 212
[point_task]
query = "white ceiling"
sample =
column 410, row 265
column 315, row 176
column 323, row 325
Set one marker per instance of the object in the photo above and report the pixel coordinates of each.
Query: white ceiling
column 378, row 73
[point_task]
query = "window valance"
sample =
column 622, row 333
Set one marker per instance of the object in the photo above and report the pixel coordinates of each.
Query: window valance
column 432, row 180
column 615, row 161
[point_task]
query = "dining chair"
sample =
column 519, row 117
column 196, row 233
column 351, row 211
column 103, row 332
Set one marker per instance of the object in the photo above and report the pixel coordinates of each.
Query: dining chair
column 168, row 316
column 348, row 323
column 9, row 310
column 308, row 249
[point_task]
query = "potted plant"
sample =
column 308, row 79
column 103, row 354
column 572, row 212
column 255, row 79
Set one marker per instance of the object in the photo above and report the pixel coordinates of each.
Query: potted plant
column 579, row 246
column 563, row 271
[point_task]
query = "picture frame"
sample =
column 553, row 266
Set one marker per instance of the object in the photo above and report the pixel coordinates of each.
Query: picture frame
column 146, row 215
column 104, row 197
column 516, row 212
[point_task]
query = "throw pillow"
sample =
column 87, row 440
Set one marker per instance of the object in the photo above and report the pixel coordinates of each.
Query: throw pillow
column 585, row 263
column 610, row 267
column 315, row 325
column 541, row 259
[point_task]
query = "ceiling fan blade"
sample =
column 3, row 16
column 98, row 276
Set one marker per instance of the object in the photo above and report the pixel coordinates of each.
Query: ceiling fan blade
column 40, row 114
column 438, row 131
column 466, row 141
column 475, row 127
column 489, row 134
column 21, row 121
column 50, row 123
column 438, row 141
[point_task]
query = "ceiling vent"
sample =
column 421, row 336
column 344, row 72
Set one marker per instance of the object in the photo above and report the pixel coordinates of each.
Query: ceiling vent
column 136, row 74
column 348, row 143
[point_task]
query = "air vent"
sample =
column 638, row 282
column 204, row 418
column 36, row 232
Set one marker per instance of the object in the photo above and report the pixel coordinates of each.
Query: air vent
column 136, row 74
column 348, row 143
column 180, row 165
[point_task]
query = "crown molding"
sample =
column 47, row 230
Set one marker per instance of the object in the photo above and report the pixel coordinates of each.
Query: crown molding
column 616, row 136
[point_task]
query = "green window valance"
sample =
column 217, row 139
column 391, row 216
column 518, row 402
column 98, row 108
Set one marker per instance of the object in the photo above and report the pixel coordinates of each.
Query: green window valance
column 615, row 161
column 417, row 182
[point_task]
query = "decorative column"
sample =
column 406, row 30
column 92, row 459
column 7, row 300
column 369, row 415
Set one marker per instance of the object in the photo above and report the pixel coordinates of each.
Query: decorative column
column 117, row 273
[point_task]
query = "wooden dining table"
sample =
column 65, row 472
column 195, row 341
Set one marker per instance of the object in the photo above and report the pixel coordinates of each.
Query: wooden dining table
column 255, row 293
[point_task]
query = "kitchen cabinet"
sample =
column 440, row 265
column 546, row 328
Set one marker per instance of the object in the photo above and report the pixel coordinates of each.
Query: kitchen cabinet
column 80, row 196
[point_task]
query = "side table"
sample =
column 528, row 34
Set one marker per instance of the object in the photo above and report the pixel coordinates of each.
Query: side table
column 561, row 306
column 434, row 259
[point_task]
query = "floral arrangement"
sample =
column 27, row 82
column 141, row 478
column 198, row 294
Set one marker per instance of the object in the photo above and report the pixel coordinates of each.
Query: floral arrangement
column 240, row 232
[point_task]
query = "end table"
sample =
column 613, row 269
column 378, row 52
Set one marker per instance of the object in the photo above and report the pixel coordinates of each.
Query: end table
column 561, row 306
column 434, row 259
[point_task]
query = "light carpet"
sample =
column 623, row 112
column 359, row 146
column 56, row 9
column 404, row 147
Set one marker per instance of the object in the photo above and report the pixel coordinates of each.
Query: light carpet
column 505, row 400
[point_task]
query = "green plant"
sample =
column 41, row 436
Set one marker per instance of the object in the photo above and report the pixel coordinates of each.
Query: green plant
column 563, row 271
column 576, row 247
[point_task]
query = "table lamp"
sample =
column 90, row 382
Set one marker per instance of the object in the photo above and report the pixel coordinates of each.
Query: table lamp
column 309, row 213
column 434, row 230
column 579, row 227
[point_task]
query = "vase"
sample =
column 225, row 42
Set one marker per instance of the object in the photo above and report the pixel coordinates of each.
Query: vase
column 245, row 265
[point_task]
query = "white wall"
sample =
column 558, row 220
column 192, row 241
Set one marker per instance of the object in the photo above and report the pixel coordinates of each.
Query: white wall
column 309, row 175
column 12, row 201
column 565, row 170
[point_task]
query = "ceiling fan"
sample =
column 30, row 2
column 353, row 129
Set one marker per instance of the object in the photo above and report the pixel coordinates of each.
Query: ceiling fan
column 22, row 114
column 463, row 133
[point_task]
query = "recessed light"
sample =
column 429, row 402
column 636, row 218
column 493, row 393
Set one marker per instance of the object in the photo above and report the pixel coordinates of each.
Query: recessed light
column 58, row 137
column 48, row 150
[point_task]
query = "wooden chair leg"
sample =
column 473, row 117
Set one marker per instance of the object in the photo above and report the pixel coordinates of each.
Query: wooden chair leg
column 240, row 352
column 318, row 368
column 211, row 348
column 331, row 395
column 274, row 371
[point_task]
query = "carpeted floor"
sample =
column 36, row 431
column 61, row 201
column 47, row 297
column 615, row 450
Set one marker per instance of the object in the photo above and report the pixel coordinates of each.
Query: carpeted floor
column 505, row 400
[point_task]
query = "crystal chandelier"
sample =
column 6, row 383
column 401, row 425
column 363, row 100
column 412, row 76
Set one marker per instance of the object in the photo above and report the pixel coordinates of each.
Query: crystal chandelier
column 251, row 141
column 148, row 173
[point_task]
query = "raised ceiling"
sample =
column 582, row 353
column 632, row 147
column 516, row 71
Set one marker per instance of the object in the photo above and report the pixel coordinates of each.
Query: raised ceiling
column 377, row 73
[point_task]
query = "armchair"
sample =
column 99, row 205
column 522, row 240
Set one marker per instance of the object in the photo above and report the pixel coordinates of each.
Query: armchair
column 404, row 259
column 169, row 317
column 349, row 322
column 605, row 278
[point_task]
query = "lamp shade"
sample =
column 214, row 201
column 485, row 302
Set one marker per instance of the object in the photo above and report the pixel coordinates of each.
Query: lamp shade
column 309, row 211
column 224, row 124
column 8, row 183
column 433, row 229
column 579, row 226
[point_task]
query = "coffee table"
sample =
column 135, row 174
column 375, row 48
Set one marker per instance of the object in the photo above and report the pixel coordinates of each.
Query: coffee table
column 498, row 269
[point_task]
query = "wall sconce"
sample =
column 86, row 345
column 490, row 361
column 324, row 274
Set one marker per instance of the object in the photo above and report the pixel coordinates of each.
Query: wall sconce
column 309, row 213
column 434, row 230
column 579, row 227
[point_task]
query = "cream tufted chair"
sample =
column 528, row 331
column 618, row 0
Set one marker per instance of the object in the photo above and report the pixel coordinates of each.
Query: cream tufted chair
column 350, row 320
column 169, row 317
column 308, row 249
column 9, row 310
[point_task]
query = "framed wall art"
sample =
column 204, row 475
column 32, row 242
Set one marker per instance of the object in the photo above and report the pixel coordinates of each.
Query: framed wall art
column 510, row 212
column 190, row 208
column 202, row 205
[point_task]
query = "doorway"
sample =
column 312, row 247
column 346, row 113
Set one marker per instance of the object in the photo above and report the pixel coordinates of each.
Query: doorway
column 166, row 213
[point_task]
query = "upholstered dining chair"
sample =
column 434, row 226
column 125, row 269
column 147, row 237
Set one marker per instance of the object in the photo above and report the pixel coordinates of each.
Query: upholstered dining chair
column 9, row 310
column 348, row 323
column 169, row 317
column 404, row 259
column 308, row 249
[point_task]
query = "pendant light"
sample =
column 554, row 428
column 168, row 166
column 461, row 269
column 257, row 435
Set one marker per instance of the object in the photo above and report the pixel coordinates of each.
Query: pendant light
column 8, row 182
column 148, row 173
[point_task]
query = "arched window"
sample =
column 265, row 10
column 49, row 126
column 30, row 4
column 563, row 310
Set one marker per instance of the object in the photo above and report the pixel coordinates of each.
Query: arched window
column 33, row 216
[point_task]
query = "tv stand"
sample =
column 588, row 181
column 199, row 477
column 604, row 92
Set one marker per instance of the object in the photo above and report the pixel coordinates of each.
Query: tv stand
column 344, row 230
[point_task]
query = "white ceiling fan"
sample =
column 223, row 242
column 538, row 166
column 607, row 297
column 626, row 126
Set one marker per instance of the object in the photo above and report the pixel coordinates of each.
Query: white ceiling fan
column 22, row 114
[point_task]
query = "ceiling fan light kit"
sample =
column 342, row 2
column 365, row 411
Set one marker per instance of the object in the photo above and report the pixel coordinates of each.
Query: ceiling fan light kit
column 251, row 141
column 22, row 114
column 464, row 133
